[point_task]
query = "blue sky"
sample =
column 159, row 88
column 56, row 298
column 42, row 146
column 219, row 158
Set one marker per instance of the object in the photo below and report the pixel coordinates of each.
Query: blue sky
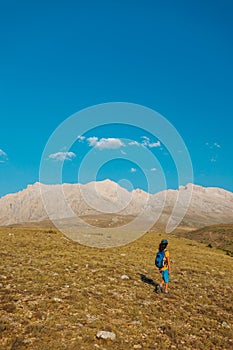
column 59, row 57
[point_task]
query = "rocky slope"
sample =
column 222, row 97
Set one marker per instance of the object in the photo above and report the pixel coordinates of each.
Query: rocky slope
column 207, row 205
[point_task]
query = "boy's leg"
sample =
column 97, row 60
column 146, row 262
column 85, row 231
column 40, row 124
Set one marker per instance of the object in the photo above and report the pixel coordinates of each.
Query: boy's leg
column 162, row 282
column 165, row 275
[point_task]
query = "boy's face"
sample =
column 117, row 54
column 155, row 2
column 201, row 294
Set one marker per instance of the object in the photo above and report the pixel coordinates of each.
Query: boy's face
column 164, row 246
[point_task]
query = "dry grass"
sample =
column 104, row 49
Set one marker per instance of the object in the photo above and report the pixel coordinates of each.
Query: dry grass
column 57, row 294
column 218, row 236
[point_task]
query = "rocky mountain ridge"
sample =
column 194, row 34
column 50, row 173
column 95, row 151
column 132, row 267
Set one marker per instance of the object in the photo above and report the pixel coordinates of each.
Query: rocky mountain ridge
column 205, row 205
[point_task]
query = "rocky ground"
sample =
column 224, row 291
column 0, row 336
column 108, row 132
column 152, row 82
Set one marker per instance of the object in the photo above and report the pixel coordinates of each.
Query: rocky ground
column 57, row 294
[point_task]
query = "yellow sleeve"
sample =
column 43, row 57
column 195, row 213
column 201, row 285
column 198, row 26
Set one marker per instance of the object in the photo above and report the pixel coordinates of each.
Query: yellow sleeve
column 167, row 255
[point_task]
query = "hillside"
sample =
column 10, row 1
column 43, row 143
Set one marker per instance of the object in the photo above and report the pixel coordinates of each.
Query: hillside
column 57, row 294
column 218, row 236
column 208, row 205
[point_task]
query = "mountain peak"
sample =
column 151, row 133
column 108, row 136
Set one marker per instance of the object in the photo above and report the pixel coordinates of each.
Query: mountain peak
column 207, row 206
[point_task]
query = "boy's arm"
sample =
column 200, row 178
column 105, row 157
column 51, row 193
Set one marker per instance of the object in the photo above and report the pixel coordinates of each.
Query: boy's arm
column 169, row 264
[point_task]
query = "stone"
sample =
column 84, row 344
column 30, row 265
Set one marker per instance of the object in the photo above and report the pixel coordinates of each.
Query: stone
column 58, row 300
column 125, row 277
column 225, row 325
column 79, row 324
column 135, row 323
column 106, row 335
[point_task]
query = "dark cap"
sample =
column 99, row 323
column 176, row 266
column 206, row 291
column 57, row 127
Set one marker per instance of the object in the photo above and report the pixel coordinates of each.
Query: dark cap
column 164, row 241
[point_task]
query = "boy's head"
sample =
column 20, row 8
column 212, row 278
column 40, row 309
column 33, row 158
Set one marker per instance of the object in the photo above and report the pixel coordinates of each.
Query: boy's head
column 164, row 241
column 163, row 244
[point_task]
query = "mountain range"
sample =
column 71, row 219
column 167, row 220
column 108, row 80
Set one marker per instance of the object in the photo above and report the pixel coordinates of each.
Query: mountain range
column 196, row 205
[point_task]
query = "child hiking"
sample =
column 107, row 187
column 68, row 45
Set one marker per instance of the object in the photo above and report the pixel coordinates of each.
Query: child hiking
column 162, row 261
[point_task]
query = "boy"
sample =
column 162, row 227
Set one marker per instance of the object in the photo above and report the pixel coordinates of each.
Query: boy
column 166, row 269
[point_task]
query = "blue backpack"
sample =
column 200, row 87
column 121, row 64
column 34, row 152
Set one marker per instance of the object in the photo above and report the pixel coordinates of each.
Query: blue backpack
column 159, row 259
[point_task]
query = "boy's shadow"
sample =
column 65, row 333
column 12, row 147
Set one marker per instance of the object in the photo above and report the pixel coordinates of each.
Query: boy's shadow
column 151, row 282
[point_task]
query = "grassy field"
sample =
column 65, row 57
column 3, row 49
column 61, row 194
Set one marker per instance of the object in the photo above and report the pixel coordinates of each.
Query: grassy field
column 57, row 294
column 218, row 236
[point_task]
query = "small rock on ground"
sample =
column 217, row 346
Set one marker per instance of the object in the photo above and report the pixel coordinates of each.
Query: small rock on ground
column 106, row 335
column 125, row 277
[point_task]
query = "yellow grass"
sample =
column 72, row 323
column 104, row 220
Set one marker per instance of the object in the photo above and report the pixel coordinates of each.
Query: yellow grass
column 57, row 294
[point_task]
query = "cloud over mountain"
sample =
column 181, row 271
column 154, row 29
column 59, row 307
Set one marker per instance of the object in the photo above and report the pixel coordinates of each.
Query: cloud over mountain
column 146, row 142
column 105, row 143
column 61, row 156
column 115, row 143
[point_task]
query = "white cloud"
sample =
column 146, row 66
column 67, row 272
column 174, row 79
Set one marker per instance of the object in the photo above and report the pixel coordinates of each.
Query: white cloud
column 213, row 145
column 217, row 145
column 114, row 143
column 123, row 152
column 3, row 156
column 134, row 143
column 154, row 144
column 145, row 138
column 2, row 153
column 214, row 149
column 92, row 141
column 80, row 138
column 213, row 160
column 110, row 143
column 105, row 143
column 61, row 156
column 146, row 142
column 153, row 169
column 133, row 170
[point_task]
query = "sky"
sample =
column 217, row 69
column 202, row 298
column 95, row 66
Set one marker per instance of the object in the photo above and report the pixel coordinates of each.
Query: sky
column 61, row 57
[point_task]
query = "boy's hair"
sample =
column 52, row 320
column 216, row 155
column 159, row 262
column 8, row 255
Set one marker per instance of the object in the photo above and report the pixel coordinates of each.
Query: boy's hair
column 163, row 245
